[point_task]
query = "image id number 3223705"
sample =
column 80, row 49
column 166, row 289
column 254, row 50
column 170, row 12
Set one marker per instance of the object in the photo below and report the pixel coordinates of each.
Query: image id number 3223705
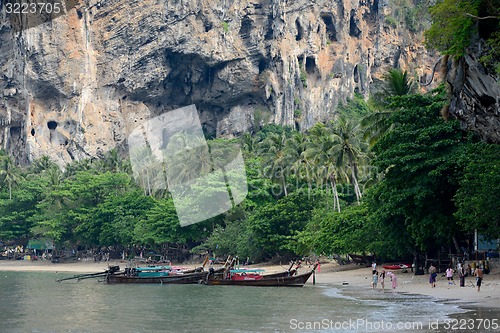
column 32, row 7
column 471, row 324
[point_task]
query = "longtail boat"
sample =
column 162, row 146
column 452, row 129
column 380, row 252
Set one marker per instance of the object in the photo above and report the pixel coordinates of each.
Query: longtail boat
column 289, row 272
column 149, row 274
column 397, row 266
column 161, row 275
column 253, row 278
column 189, row 278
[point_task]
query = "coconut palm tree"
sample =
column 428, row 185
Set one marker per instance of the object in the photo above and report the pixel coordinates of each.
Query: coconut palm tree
column 55, row 175
column 376, row 124
column 249, row 143
column 398, row 83
column 294, row 148
column 323, row 149
column 188, row 157
column 75, row 166
column 142, row 163
column 42, row 164
column 9, row 175
column 274, row 150
column 112, row 161
column 350, row 150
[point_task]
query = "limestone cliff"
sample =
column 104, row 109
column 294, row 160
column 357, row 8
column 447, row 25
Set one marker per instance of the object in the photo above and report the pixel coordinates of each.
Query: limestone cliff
column 76, row 86
column 475, row 94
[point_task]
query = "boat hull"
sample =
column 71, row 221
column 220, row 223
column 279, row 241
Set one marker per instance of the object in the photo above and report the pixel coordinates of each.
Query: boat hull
column 191, row 278
column 281, row 274
column 283, row 281
column 399, row 266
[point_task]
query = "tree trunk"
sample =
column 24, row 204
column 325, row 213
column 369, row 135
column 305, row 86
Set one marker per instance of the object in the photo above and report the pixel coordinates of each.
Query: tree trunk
column 354, row 179
column 457, row 248
column 356, row 185
column 333, row 183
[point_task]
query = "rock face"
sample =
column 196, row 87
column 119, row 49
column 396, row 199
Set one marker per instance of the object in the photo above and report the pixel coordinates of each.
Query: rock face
column 475, row 96
column 76, row 86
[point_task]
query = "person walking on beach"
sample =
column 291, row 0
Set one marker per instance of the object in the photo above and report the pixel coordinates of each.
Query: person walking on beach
column 394, row 280
column 479, row 278
column 432, row 275
column 382, row 277
column 468, row 270
column 374, row 267
column 375, row 280
column 449, row 275
column 461, row 275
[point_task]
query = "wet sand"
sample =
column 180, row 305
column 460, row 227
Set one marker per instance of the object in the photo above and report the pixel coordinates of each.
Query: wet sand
column 361, row 278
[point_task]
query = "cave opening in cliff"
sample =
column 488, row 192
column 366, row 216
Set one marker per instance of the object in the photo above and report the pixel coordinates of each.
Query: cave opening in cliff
column 356, row 74
column 300, row 31
column 52, row 125
column 375, row 7
column 310, row 65
column 246, row 27
column 330, row 26
column 33, row 132
column 262, row 65
column 354, row 31
column 15, row 130
column 270, row 31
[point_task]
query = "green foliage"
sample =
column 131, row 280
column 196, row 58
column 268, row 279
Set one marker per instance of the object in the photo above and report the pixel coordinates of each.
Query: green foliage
column 491, row 59
column 355, row 108
column 333, row 232
column 398, row 83
column 233, row 237
column 377, row 122
column 421, row 158
column 303, row 77
column 225, row 26
column 477, row 197
column 274, row 225
column 16, row 214
column 391, row 21
column 452, row 28
column 161, row 225
column 260, row 118
column 9, row 174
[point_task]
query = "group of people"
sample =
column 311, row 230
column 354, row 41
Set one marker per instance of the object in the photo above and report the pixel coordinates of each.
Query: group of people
column 376, row 277
column 462, row 274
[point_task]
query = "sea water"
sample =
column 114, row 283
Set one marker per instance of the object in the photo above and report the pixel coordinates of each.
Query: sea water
column 34, row 302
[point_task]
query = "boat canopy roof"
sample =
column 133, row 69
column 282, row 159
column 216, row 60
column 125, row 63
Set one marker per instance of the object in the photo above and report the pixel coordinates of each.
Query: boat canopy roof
column 153, row 268
column 246, row 270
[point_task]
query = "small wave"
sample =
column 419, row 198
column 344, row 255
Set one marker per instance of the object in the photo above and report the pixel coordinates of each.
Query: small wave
column 337, row 293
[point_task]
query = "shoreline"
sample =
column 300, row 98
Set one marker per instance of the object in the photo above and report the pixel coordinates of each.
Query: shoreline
column 408, row 283
column 346, row 277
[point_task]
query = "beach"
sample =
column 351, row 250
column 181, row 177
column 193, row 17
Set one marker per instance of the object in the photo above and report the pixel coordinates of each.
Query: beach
column 348, row 276
column 361, row 278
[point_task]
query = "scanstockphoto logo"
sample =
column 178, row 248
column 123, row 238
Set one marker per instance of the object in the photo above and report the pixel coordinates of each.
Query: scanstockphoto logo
column 25, row 14
column 170, row 152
